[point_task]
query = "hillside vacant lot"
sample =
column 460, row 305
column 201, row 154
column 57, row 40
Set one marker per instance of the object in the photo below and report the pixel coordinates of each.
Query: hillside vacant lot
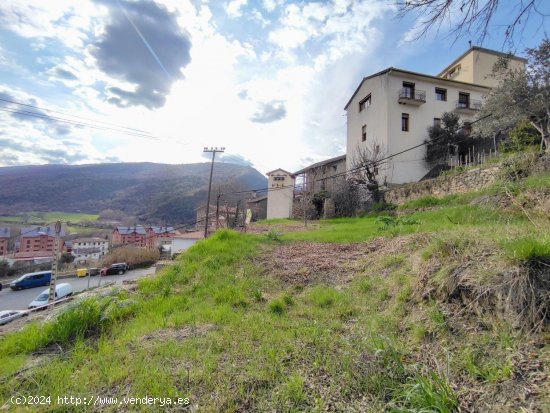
column 442, row 306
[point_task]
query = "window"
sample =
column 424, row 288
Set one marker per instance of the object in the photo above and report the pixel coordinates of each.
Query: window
column 463, row 100
column 453, row 72
column 364, row 133
column 278, row 178
column 365, row 103
column 437, row 122
column 440, row 94
column 405, row 122
column 408, row 90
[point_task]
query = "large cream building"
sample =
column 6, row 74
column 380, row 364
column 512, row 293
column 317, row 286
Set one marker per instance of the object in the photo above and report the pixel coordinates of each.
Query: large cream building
column 393, row 109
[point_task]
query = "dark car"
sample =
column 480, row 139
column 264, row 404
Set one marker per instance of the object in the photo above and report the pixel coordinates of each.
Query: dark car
column 118, row 268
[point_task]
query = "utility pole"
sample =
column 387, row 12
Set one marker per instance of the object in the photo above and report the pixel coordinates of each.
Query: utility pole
column 213, row 151
column 53, row 279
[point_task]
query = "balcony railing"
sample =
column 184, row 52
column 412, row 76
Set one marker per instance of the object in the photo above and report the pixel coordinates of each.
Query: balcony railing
column 470, row 105
column 408, row 95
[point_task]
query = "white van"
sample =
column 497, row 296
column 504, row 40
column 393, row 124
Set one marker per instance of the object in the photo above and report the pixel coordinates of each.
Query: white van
column 61, row 291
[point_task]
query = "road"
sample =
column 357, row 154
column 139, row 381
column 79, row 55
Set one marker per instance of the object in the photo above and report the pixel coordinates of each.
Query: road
column 19, row 300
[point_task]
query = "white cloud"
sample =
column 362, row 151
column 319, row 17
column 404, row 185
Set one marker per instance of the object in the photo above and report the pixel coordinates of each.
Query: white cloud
column 234, row 7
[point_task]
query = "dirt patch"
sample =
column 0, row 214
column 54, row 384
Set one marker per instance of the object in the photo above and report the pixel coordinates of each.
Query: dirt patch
column 177, row 334
column 304, row 263
column 309, row 262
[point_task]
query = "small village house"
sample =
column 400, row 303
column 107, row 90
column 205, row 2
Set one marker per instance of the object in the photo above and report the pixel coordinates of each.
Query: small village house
column 280, row 186
column 89, row 249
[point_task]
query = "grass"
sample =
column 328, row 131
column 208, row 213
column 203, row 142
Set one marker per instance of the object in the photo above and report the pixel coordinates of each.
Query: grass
column 215, row 327
column 47, row 217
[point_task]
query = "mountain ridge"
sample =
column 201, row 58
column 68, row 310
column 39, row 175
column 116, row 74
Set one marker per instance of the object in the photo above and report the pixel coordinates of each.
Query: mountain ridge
column 150, row 191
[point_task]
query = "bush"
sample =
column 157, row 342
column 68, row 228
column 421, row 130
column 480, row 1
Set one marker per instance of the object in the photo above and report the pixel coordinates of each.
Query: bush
column 133, row 256
column 521, row 137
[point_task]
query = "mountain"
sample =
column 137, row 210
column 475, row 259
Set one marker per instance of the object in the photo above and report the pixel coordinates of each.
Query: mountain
column 149, row 191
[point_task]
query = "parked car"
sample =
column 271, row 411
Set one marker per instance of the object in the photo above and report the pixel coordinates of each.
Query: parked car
column 61, row 291
column 81, row 272
column 10, row 315
column 118, row 268
column 33, row 279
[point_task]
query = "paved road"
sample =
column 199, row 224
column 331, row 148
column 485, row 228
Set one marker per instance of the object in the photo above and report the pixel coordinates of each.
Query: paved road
column 19, row 300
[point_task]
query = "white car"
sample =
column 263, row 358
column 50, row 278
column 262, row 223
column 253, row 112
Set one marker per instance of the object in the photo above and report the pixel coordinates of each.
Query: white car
column 10, row 315
column 61, row 291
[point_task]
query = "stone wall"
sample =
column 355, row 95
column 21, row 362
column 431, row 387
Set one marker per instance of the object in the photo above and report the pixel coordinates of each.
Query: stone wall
column 444, row 185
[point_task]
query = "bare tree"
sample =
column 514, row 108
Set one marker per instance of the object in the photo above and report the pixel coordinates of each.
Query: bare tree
column 366, row 167
column 475, row 16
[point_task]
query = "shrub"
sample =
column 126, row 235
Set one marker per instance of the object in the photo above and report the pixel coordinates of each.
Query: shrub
column 133, row 256
column 274, row 235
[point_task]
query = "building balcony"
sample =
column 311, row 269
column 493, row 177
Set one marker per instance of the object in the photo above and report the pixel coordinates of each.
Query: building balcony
column 468, row 107
column 409, row 96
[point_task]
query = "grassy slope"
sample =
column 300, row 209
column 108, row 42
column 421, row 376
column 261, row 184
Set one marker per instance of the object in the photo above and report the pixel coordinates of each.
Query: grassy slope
column 220, row 329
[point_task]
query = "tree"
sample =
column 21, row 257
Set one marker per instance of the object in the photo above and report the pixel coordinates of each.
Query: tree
column 474, row 16
column 444, row 139
column 521, row 95
column 366, row 166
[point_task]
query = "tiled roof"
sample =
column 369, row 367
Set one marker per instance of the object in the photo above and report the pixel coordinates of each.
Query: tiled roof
column 37, row 231
column 138, row 229
column 163, row 230
column 4, row 232
column 90, row 239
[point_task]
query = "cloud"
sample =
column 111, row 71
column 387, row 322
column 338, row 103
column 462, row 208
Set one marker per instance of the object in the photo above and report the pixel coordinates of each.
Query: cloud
column 141, row 45
column 235, row 159
column 61, row 73
column 234, row 7
column 16, row 152
column 269, row 112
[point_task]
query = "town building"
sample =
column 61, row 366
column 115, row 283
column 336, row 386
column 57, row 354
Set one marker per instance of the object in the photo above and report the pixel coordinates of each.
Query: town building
column 37, row 242
column 135, row 236
column 4, row 238
column 327, row 175
column 89, row 249
column 157, row 236
column 280, row 186
column 390, row 111
column 258, row 207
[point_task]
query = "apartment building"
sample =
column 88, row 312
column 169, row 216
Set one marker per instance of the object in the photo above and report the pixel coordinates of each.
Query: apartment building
column 38, row 242
column 390, row 111
column 4, row 238
column 135, row 236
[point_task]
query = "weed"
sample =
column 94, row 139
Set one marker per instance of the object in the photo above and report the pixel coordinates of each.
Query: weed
column 288, row 299
column 274, row 235
column 277, row 307
column 428, row 394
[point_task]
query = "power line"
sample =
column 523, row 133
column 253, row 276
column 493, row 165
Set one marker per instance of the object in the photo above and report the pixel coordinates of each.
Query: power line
column 84, row 124
column 74, row 116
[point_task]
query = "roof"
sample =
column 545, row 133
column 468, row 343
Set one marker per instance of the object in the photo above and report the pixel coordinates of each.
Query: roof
column 318, row 164
column 163, row 230
column 191, row 235
column 138, row 229
column 4, row 232
column 256, row 200
column 482, row 49
column 390, row 70
column 37, row 231
column 279, row 169
column 89, row 239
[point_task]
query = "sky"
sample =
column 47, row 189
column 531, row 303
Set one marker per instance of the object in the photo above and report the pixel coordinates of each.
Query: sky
column 95, row 81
